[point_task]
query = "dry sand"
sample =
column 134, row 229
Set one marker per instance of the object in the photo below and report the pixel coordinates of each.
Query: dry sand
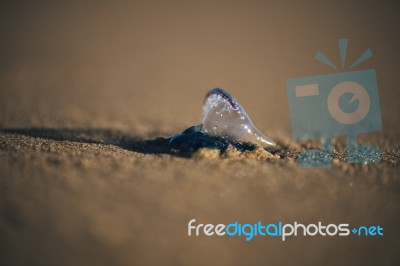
column 84, row 86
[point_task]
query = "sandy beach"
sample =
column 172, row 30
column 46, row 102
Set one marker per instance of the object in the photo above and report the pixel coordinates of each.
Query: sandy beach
column 86, row 90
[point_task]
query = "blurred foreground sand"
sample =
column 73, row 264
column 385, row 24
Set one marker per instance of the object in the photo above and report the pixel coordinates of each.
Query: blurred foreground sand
column 82, row 85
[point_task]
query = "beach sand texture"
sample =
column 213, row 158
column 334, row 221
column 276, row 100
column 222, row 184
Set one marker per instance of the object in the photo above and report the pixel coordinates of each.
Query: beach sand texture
column 83, row 87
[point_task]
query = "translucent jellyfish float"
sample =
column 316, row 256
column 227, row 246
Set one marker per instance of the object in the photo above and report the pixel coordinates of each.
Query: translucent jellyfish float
column 224, row 123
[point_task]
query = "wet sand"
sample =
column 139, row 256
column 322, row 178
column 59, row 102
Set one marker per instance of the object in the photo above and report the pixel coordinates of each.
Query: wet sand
column 86, row 89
